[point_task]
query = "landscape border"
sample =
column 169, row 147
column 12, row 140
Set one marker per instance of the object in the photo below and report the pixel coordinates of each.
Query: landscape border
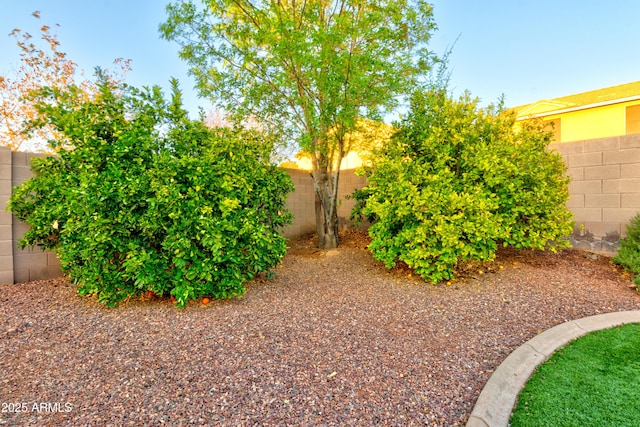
column 499, row 395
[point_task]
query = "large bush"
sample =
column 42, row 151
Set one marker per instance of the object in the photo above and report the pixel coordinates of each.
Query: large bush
column 148, row 200
column 456, row 181
column 628, row 255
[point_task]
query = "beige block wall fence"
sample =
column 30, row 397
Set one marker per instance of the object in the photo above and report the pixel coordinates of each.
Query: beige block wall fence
column 301, row 201
column 604, row 189
column 16, row 265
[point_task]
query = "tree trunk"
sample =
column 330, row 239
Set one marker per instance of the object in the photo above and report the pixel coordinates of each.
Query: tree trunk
column 326, row 208
column 319, row 220
column 325, row 182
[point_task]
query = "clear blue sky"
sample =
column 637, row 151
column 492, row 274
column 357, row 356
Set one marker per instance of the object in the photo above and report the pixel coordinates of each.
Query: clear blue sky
column 531, row 50
column 526, row 50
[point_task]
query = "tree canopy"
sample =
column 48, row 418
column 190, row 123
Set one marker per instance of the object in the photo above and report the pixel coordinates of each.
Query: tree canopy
column 305, row 70
column 41, row 65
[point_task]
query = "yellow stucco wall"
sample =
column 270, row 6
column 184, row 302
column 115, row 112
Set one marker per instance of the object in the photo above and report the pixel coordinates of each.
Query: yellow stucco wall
column 591, row 123
column 352, row 160
column 362, row 141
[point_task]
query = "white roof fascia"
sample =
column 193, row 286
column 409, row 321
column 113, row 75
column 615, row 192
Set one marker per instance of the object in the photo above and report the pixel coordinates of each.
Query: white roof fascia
column 581, row 107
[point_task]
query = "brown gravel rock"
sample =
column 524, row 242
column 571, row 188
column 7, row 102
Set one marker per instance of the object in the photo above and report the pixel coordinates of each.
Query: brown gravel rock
column 333, row 340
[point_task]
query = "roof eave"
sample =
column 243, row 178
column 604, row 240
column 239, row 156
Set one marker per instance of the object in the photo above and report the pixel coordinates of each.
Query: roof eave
column 580, row 107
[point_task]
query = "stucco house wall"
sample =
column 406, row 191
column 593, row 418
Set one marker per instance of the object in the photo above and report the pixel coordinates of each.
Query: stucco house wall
column 600, row 113
column 593, row 123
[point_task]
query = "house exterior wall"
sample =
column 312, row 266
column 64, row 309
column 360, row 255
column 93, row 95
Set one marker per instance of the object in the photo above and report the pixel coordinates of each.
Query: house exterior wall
column 591, row 123
column 352, row 160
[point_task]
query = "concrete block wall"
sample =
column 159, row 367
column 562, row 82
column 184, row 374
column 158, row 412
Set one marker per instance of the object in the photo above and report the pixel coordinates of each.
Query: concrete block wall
column 604, row 196
column 6, row 220
column 29, row 263
column 604, row 189
column 17, row 265
column 301, row 202
column 349, row 182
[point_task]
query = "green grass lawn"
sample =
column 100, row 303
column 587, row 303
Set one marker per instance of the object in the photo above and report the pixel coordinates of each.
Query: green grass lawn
column 592, row 381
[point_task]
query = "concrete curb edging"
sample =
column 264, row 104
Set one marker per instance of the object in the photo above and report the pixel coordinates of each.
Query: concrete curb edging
column 499, row 395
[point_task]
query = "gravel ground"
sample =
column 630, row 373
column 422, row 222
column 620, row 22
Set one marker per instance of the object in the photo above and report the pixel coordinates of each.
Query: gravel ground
column 333, row 340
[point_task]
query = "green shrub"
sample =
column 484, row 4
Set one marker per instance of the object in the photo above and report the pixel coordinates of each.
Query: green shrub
column 456, row 181
column 628, row 255
column 149, row 200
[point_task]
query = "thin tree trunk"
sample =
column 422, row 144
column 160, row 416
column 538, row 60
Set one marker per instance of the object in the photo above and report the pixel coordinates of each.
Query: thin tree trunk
column 319, row 220
column 326, row 209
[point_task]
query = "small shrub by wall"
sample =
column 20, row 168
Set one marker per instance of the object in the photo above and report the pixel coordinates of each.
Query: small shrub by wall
column 629, row 254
